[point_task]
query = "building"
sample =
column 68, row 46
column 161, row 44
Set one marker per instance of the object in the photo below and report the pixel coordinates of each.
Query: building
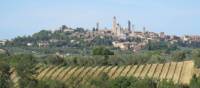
column 97, row 26
column 29, row 44
column 185, row 38
column 191, row 38
column 68, row 30
column 43, row 44
column 129, row 26
column 121, row 45
column 118, row 30
column 144, row 30
column 54, row 40
column 2, row 51
column 134, row 46
column 138, row 47
column 3, row 42
column 174, row 37
column 195, row 38
column 114, row 25
column 162, row 35
column 64, row 28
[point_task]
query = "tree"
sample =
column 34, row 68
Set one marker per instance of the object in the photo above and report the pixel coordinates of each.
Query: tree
column 196, row 56
column 4, row 75
column 102, row 81
column 43, row 35
column 195, row 82
column 24, row 65
column 144, row 83
column 102, row 51
column 102, row 41
column 179, row 56
column 167, row 84
column 79, row 29
column 93, row 29
column 50, row 84
column 54, row 59
column 122, row 82
column 154, row 45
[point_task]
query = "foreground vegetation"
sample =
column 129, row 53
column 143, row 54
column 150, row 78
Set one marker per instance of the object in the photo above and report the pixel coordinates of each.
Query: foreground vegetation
column 25, row 67
column 24, row 60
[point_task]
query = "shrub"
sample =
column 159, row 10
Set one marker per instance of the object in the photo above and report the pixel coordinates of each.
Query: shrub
column 195, row 82
column 4, row 75
column 50, row 84
column 167, row 84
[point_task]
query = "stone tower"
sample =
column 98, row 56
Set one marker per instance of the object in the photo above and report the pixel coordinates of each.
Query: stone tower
column 133, row 29
column 118, row 30
column 129, row 26
column 114, row 25
column 144, row 29
column 97, row 26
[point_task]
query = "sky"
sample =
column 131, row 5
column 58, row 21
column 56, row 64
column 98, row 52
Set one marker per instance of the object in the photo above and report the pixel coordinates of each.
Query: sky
column 25, row 17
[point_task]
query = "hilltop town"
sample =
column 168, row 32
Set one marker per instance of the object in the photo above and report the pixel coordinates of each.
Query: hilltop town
column 124, row 38
column 76, row 58
column 100, row 58
column 99, row 44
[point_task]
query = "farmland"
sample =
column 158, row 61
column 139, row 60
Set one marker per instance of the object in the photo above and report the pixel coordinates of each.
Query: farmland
column 102, row 71
column 179, row 72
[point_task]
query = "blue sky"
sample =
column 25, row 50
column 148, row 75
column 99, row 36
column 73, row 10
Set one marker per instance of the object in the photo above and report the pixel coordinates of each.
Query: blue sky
column 24, row 17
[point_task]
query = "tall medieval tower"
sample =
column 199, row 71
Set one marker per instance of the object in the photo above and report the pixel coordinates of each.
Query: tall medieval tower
column 97, row 26
column 129, row 26
column 114, row 25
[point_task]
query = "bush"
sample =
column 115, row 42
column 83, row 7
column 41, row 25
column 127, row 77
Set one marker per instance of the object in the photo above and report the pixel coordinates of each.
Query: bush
column 196, row 56
column 102, row 51
column 24, row 65
column 54, row 59
column 122, row 82
column 4, row 75
column 167, row 84
column 195, row 82
column 50, row 84
column 102, row 81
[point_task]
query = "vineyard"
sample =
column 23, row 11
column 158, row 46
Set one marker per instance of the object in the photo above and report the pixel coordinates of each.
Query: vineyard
column 178, row 72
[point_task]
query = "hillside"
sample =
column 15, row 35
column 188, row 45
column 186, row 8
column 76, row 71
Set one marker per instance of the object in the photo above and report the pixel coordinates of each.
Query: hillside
column 178, row 72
